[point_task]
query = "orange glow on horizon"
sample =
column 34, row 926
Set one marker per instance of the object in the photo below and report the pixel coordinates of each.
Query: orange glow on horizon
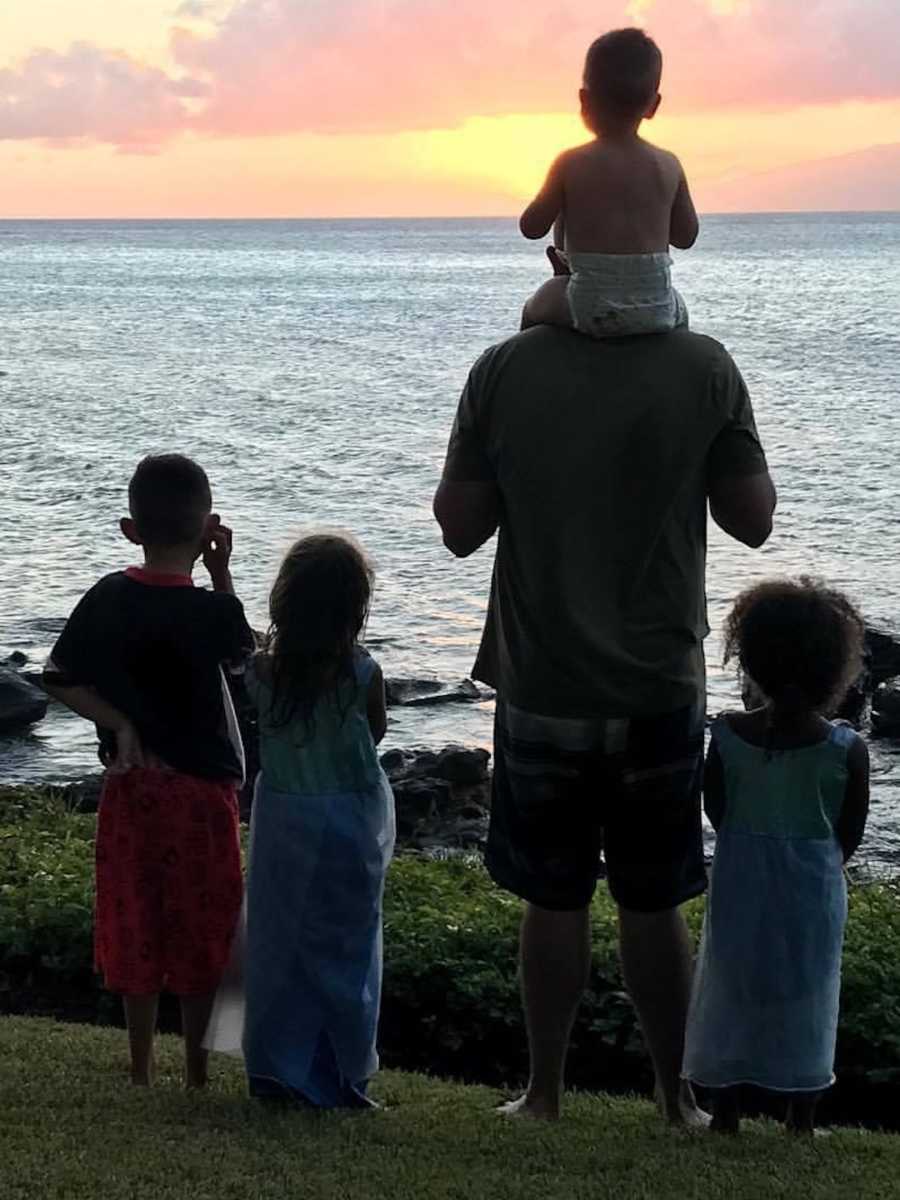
column 193, row 164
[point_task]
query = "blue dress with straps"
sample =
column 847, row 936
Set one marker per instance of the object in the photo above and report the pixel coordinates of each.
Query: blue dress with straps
column 766, row 992
column 305, row 1008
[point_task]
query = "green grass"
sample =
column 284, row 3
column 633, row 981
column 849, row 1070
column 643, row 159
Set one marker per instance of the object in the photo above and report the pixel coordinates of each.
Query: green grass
column 73, row 1128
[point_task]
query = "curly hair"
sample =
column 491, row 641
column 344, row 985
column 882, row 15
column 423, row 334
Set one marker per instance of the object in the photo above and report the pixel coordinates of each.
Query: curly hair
column 796, row 638
column 317, row 608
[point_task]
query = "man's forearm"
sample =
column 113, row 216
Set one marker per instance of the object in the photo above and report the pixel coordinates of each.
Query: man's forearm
column 743, row 507
column 468, row 514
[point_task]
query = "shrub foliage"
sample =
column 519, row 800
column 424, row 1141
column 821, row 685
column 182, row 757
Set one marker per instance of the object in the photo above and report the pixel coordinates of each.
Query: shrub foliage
column 451, row 1001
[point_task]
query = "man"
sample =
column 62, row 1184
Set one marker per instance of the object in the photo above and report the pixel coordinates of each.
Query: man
column 596, row 460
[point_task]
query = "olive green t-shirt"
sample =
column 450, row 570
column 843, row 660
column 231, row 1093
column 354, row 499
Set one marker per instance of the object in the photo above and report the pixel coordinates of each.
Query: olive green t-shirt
column 603, row 452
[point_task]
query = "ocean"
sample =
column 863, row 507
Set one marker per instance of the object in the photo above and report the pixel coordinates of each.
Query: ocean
column 313, row 367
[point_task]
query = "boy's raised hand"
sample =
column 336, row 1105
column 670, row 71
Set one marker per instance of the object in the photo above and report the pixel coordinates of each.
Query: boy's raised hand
column 217, row 554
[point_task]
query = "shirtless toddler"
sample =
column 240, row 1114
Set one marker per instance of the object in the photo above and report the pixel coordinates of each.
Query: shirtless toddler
column 615, row 205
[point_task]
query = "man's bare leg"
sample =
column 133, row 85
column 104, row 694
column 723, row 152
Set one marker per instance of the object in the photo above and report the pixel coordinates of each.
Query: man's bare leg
column 657, row 960
column 195, row 1013
column 140, row 1017
column 555, row 960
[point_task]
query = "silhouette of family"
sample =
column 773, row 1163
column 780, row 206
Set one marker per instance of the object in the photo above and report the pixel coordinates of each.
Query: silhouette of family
column 593, row 443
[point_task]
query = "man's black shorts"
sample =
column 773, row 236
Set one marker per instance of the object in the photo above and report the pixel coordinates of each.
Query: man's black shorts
column 567, row 790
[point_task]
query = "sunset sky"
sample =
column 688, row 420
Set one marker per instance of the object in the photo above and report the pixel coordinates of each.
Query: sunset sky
column 427, row 107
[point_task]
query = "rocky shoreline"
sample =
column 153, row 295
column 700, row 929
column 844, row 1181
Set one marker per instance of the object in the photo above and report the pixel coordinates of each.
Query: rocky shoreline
column 443, row 797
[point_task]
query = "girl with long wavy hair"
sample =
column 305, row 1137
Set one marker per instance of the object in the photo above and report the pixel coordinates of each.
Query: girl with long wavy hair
column 322, row 835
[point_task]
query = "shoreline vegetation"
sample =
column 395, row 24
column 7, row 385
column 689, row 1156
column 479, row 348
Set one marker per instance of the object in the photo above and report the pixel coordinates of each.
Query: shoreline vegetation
column 451, row 1003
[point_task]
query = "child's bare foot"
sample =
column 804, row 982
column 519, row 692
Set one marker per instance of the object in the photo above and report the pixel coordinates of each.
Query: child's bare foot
column 143, row 1070
column 684, row 1110
column 531, row 1108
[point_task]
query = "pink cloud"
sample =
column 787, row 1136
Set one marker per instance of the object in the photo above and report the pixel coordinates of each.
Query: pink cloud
column 768, row 53
column 280, row 66
column 372, row 65
column 90, row 93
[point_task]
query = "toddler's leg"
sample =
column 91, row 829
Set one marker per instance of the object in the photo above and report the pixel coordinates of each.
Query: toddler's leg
column 549, row 305
column 726, row 1110
column 681, row 313
column 195, row 1014
column 801, row 1114
column 140, row 1017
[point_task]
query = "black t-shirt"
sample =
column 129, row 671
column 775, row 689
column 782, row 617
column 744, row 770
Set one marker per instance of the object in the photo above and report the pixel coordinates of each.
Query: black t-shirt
column 154, row 646
column 603, row 451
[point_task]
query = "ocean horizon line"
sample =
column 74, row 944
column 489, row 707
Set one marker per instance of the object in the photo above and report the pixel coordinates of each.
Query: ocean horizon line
column 444, row 220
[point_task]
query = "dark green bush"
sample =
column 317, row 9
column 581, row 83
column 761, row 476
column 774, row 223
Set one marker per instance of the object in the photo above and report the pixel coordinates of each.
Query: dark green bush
column 451, row 1001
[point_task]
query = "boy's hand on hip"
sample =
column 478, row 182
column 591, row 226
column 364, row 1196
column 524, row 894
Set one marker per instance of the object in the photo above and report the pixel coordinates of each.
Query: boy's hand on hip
column 129, row 751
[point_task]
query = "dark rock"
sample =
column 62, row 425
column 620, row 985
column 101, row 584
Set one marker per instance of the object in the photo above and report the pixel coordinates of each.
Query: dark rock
column 886, row 709
column 17, row 659
column 462, row 766
column 21, row 704
column 422, row 762
column 84, row 794
column 473, row 812
column 410, row 692
column 393, row 762
column 883, row 655
column 420, row 799
column 853, row 707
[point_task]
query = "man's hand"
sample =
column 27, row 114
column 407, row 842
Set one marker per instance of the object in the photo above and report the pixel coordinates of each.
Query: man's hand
column 217, row 554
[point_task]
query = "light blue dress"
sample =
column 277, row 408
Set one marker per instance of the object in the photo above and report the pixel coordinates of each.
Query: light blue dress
column 766, row 992
column 302, row 999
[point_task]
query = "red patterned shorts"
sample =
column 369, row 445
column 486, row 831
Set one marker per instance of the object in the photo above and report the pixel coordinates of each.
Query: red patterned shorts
column 169, row 882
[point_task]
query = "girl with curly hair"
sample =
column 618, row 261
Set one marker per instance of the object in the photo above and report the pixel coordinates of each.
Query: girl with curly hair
column 787, row 792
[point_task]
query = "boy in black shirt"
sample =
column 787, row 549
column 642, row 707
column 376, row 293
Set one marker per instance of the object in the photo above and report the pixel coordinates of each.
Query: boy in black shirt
column 142, row 656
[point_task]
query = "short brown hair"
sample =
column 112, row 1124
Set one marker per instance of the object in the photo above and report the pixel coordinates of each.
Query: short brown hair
column 169, row 499
column 622, row 71
column 797, row 636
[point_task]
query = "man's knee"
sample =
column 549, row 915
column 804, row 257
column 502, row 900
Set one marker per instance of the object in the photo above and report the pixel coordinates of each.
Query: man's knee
column 640, row 927
column 555, row 918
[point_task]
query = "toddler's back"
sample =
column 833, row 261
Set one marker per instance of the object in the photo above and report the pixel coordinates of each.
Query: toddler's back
column 619, row 197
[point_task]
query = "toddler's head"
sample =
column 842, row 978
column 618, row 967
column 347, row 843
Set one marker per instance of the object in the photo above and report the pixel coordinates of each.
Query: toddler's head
column 317, row 609
column 799, row 641
column 170, row 504
column 622, row 72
